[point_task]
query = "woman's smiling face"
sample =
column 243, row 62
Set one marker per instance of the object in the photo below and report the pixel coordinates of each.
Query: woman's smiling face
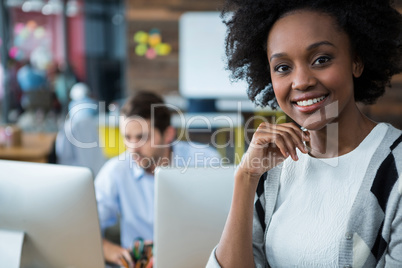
column 312, row 66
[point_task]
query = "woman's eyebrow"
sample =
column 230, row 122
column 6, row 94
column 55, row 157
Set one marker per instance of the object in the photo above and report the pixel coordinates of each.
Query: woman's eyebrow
column 318, row 44
column 310, row 47
column 277, row 55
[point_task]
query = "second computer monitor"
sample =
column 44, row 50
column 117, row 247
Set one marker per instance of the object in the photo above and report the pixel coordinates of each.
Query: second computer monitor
column 192, row 205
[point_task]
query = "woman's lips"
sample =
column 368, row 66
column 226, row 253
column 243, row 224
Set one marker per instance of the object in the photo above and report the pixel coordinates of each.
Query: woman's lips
column 309, row 102
column 310, row 105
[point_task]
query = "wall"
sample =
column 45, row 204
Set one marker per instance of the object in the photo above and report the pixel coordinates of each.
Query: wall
column 160, row 74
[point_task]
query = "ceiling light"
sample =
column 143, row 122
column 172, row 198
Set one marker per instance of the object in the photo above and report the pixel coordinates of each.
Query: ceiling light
column 52, row 7
column 72, row 8
column 33, row 6
column 14, row 3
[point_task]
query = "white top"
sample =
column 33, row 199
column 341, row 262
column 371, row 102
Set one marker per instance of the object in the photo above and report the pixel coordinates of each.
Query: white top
column 314, row 201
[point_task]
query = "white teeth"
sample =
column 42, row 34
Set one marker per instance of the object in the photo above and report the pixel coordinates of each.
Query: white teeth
column 310, row 101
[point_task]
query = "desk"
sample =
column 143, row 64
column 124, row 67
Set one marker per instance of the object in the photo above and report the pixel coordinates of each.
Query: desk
column 35, row 147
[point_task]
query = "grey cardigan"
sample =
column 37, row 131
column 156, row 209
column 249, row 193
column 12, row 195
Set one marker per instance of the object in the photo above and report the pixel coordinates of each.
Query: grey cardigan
column 374, row 229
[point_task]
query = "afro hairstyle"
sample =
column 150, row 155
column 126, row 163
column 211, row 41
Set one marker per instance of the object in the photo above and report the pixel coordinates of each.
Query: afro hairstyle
column 374, row 28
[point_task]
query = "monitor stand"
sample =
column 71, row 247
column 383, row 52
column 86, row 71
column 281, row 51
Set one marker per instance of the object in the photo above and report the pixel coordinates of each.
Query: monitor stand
column 11, row 248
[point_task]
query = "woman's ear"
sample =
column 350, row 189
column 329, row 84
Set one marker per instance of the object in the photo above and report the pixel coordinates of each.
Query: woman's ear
column 358, row 67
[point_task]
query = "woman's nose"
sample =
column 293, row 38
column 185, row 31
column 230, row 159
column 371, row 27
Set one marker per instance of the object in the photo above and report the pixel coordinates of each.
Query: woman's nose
column 303, row 79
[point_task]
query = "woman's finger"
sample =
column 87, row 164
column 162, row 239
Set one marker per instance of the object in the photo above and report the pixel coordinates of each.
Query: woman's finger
column 290, row 143
column 297, row 134
column 292, row 136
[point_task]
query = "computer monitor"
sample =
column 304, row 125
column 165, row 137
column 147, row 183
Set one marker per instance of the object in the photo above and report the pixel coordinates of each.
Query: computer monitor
column 55, row 208
column 191, row 210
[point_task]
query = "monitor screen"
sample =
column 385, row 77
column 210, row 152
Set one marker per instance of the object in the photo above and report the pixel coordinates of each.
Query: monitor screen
column 191, row 207
column 54, row 207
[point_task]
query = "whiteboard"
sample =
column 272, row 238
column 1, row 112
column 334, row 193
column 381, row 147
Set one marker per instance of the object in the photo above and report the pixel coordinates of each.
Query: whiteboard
column 202, row 71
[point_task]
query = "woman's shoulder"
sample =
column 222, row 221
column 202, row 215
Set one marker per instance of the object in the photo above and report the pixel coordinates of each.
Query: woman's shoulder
column 389, row 155
column 394, row 137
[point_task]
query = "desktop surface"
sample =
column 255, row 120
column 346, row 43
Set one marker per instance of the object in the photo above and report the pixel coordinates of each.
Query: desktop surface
column 35, row 147
column 191, row 209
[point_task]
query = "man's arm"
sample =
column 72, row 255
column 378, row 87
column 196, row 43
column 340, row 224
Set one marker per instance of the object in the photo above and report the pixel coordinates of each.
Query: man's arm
column 108, row 209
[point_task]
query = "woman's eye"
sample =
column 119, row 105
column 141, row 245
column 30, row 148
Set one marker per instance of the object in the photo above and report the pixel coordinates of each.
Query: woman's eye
column 282, row 68
column 321, row 60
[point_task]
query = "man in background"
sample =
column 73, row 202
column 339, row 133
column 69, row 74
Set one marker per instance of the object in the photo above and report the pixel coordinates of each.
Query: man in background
column 125, row 184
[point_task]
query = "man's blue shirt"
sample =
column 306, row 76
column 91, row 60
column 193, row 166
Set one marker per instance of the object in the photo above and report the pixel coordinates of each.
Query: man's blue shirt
column 124, row 189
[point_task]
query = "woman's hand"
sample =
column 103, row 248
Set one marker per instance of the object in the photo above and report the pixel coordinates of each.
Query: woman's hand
column 271, row 145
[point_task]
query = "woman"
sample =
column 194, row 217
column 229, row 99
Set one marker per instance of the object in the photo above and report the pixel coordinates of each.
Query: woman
column 328, row 196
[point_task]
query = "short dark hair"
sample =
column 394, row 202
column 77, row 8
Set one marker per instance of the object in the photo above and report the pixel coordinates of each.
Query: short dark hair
column 147, row 105
column 373, row 27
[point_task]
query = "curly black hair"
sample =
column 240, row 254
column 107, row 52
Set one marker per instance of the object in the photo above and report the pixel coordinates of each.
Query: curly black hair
column 374, row 28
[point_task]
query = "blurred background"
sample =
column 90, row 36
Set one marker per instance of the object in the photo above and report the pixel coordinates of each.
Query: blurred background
column 111, row 49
